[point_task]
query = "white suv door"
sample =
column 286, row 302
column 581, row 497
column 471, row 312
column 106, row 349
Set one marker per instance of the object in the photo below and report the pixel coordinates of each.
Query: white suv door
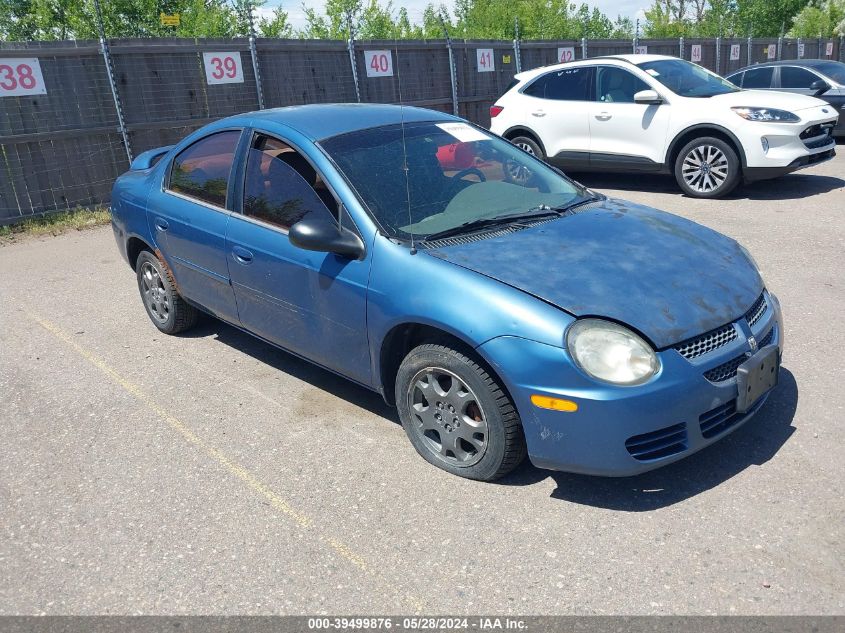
column 621, row 131
column 557, row 107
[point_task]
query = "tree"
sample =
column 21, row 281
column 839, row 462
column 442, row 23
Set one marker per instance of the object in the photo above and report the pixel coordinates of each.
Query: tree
column 824, row 18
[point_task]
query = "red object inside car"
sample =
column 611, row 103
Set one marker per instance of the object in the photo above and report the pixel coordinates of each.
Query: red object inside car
column 456, row 156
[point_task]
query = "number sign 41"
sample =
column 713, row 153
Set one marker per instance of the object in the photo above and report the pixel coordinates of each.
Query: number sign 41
column 485, row 62
column 20, row 77
column 223, row 68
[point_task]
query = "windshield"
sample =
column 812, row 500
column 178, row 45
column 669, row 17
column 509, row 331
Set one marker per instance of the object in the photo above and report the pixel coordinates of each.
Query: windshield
column 457, row 174
column 834, row 70
column 687, row 79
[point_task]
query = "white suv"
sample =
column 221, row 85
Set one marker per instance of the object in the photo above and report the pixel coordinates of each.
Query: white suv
column 653, row 113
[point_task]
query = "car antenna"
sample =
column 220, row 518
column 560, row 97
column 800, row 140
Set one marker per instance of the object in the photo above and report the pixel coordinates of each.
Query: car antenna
column 404, row 147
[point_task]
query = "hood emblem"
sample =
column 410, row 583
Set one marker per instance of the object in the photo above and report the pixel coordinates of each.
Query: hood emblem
column 752, row 342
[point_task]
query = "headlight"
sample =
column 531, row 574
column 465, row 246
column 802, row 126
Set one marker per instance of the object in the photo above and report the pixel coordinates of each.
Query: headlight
column 766, row 114
column 610, row 352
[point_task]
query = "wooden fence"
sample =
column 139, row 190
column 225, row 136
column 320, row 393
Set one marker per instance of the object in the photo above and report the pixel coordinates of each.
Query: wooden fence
column 62, row 143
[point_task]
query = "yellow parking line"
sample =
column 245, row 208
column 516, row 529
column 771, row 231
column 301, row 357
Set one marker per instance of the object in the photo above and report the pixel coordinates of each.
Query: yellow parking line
column 234, row 468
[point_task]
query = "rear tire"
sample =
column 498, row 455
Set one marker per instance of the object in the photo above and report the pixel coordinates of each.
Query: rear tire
column 707, row 167
column 168, row 311
column 456, row 414
column 529, row 146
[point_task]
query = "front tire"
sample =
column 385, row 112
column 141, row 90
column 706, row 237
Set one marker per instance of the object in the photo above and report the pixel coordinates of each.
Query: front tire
column 168, row 311
column 707, row 167
column 456, row 414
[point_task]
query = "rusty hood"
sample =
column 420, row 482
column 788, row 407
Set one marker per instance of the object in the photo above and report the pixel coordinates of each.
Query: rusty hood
column 666, row 277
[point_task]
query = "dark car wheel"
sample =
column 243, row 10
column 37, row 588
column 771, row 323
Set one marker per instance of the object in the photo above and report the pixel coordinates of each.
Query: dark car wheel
column 707, row 167
column 456, row 415
column 169, row 312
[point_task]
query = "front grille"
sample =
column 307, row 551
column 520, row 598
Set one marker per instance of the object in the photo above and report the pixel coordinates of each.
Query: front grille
column 725, row 371
column 700, row 345
column 817, row 136
column 719, row 419
column 657, row 444
column 757, row 310
column 766, row 340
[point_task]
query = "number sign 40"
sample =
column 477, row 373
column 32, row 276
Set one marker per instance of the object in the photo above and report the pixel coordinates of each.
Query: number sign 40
column 378, row 63
column 223, row 68
column 20, row 77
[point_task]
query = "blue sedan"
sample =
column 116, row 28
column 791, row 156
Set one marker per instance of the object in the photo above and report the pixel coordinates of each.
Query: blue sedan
column 501, row 307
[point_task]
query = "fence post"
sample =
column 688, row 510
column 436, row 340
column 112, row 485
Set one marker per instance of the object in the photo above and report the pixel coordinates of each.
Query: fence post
column 798, row 51
column 350, row 45
column 780, row 47
column 516, row 55
column 253, row 52
column 104, row 48
column 719, row 55
column 453, row 79
column 748, row 53
column 583, row 48
column 819, row 56
column 841, row 51
column 681, row 47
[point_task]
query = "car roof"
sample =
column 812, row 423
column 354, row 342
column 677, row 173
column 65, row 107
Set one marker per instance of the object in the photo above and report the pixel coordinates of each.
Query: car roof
column 320, row 121
column 630, row 58
column 808, row 63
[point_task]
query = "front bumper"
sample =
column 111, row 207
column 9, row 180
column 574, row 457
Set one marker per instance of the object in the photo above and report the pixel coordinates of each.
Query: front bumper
column 774, row 149
column 622, row 431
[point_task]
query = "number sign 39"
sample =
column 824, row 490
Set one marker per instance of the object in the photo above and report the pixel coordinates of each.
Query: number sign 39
column 20, row 77
column 485, row 61
column 378, row 63
column 223, row 68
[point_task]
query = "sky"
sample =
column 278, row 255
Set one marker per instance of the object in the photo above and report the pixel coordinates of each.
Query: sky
column 626, row 8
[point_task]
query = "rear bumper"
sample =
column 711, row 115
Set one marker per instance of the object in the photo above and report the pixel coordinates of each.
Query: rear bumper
column 623, row 431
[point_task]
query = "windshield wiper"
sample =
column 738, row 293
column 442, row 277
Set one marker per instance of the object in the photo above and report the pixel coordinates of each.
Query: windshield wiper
column 573, row 205
column 535, row 213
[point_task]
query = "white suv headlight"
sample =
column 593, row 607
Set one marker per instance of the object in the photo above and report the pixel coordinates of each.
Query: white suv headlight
column 610, row 352
column 770, row 115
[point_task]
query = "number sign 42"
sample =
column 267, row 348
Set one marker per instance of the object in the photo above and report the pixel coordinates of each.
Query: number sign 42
column 378, row 63
column 223, row 68
column 20, row 77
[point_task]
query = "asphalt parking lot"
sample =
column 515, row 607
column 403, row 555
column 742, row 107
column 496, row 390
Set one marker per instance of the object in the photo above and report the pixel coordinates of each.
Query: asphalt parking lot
column 213, row 474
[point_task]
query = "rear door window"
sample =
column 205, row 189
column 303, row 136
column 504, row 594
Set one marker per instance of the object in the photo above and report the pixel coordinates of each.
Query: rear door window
column 202, row 170
column 569, row 84
column 758, row 78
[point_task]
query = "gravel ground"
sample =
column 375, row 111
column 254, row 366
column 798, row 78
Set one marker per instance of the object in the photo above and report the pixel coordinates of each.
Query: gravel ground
column 211, row 473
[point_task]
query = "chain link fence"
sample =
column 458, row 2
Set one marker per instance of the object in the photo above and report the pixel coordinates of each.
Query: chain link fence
column 72, row 114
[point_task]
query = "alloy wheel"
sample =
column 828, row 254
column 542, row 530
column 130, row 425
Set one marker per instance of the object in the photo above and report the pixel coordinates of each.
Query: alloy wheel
column 154, row 292
column 448, row 416
column 705, row 168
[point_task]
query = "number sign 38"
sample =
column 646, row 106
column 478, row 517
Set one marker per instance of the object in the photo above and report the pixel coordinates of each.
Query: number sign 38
column 20, row 77
column 223, row 68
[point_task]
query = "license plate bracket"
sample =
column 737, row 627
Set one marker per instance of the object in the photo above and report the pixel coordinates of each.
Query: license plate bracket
column 756, row 376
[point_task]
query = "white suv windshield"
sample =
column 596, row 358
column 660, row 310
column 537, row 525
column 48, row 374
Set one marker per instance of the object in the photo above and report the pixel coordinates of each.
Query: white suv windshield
column 687, row 79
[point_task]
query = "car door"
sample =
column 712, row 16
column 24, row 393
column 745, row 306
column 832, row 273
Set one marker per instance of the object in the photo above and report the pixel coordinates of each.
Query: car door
column 625, row 134
column 311, row 303
column 557, row 106
column 189, row 214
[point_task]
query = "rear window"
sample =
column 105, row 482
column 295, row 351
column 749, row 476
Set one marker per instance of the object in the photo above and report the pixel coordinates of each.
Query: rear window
column 202, row 170
column 569, row 84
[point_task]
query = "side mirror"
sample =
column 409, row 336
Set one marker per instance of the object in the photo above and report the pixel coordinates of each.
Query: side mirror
column 819, row 87
column 324, row 235
column 649, row 97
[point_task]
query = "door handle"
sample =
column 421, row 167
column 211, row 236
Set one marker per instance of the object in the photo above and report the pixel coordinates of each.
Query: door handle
column 604, row 116
column 161, row 224
column 241, row 255
column 538, row 113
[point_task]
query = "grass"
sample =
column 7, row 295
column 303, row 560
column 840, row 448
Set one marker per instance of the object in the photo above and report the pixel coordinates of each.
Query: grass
column 56, row 224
